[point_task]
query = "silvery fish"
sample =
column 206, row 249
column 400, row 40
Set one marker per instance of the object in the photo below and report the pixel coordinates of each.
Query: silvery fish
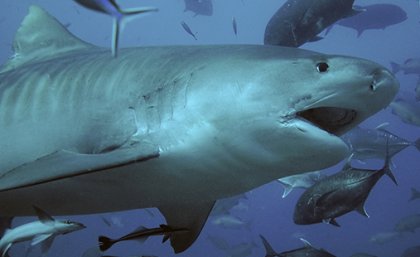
column 366, row 143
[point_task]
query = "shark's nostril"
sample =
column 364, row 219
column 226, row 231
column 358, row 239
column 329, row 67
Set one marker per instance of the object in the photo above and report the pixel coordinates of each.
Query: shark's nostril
column 382, row 77
column 373, row 85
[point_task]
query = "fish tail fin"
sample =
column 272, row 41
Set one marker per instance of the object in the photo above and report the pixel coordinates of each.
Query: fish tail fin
column 120, row 21
column 105, row 243
column 387, row 166
column 135, row 11
column 389, row 173
column 395, row 67
column 269, row 251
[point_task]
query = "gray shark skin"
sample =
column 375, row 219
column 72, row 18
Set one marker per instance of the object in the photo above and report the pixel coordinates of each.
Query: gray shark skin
column 338, row 194
column 300, row 21
column 174, row 127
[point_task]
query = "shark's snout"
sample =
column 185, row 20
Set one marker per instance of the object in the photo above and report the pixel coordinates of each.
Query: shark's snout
column 76, row 225
column 384, row 79
column 363, row 89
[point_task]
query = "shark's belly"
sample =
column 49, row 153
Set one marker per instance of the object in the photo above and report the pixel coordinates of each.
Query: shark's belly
column 191, row 172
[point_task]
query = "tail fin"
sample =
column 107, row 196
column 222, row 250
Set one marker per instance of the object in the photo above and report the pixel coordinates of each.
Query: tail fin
column 387, row 165
column 105, row 243
column 395, row 67
column 269, row 251
column 119, row 22
column 388, row 172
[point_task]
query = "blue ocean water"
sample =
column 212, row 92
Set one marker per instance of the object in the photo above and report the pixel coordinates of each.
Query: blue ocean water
column 266, row 212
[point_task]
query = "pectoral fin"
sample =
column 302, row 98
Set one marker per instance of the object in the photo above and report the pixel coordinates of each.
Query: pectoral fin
column 39, row 238
column 331, row 221
column 64, row 164
column 6, row 249
column 323, row 199
column 188, row 217
column 46, row 244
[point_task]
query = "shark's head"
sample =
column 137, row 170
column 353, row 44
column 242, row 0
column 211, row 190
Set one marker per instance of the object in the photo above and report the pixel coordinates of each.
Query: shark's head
column 67, row 226
column 340, row 93
column 289, row 106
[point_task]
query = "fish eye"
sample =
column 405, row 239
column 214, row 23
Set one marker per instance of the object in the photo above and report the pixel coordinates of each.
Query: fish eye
column 322, row 67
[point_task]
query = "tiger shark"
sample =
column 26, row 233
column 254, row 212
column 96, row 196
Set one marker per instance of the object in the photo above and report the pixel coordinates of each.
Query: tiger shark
column 172, row 127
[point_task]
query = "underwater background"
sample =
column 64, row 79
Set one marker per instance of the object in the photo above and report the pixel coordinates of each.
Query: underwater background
column 262, row 210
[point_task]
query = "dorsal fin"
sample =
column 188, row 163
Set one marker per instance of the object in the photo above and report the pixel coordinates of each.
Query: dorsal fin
column 41, row 36
column 43, row 216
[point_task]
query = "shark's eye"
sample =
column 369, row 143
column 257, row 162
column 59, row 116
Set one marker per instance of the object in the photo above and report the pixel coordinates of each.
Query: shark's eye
column 322, row 67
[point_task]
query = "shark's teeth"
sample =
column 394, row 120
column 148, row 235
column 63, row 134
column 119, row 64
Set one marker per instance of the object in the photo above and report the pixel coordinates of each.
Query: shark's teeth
column 330, row 119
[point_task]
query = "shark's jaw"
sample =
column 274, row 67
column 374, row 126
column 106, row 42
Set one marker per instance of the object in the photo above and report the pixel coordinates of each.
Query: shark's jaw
column 346, row 103
column 330, row 119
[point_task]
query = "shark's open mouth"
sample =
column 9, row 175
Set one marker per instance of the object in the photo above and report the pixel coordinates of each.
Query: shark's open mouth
column 330, row 119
